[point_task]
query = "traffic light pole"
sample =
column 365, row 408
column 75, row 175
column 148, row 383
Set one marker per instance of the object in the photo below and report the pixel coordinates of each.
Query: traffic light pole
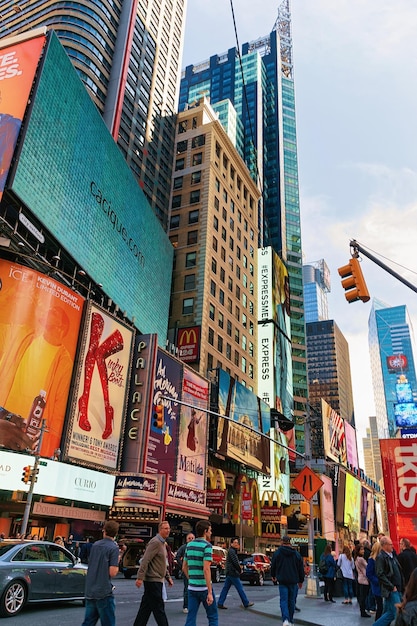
column 33, row 479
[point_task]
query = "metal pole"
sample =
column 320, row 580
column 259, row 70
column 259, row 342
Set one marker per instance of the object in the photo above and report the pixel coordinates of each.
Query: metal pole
column 312, row 586
column 33, row 479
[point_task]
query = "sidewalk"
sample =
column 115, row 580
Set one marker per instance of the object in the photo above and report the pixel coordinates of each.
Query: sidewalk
column 317, row 612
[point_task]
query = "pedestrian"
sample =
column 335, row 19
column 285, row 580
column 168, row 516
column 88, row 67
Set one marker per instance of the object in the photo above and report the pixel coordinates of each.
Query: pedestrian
column 152, row 572
column 390, row 579
column 196, row 566
column 70, row 545
column 102, row 567
column 328, row 574
column 347, row 565
column 362, row 581
column 180, row 559
column 407, row 558
column 85, row 550
column 233, row 570
column 59, row 540
column 407, row 610
column 287, row 568
column 373, row 579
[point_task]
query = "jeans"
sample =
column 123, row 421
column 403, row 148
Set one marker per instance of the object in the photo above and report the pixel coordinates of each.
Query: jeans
column 195, row 598
column 390, row 611
column 103, row 610
column 348, row 588
column 152, row 602
column 185, row 593
column 235, row 581
column 287, row 597
column 328, row 588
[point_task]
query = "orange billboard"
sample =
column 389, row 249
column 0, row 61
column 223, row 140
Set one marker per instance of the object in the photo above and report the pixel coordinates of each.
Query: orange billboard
column 39, row 325
column 18, row 64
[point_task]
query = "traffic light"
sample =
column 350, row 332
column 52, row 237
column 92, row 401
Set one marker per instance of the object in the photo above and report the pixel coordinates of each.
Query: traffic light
column 26, row 474
column 34, row 475
column 353, row 281
column 158, row 416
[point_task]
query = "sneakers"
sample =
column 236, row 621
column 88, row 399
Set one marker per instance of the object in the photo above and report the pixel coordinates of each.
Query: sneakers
column 185, row 610
column 287, row 623
column 221, row 606
column 248, row 605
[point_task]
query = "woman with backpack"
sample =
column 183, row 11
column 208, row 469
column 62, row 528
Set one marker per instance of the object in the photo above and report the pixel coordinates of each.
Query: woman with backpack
column 347, row 565
column 363, row 582
column 327, row 571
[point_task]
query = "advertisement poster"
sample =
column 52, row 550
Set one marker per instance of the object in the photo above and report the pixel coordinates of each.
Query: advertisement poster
column 163, row 433
column 333, row 434
column 327, row 509
column 17, row 71
column 351, row 445
column 353, row 492
column 100, row 396
column 192, row 439
column 39, row 325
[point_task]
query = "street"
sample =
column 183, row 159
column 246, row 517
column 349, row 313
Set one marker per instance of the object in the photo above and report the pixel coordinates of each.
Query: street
column 127, row 604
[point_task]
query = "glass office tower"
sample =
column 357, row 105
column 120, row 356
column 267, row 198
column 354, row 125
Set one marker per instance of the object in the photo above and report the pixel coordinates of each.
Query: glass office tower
column 265, row 104
column 128, row 54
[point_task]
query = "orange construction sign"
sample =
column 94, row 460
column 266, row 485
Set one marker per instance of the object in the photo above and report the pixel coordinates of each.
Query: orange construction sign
column 307, row 483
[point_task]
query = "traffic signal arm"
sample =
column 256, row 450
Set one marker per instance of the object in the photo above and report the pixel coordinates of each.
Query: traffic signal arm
column 353, row 281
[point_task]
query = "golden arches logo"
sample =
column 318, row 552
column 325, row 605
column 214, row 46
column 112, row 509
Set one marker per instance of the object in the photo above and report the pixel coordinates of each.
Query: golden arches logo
column 269, row 497
column 187, row 337
column 216, row 477
column 271, row 529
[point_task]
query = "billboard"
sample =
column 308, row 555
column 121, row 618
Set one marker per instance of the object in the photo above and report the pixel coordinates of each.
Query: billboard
column 278, row 480
column 39, row 326
column 399, row 467
column 162, row 439
column 240, row 437
column 192, row 437
column 397, row 363
column 327, row 509
column 352, row 513
column 17, row 71
column 99, row 400
column 74, row 179
column 333, row 434
column 351, row 445
column 275, row 385
column 188, row 344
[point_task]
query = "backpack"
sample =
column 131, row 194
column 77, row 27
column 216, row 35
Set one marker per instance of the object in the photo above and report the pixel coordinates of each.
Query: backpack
column 323, row 567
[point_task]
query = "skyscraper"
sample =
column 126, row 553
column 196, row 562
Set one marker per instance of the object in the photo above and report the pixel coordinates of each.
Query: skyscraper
column 316, row 280
column 128, row 54
column 329, row 368
column 394, row 380
column 259, row 82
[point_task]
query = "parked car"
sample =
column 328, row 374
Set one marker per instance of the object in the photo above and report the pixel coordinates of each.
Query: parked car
column 129, row 563
column 218, row 564
column 256, row 568
column 37, row 571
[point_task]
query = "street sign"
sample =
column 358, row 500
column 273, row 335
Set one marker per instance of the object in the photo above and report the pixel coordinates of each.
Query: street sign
column 307, row 483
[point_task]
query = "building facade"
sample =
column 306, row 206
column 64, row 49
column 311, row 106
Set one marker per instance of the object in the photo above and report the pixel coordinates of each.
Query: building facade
column 266, row 88
column 329, row 368
column 316, row 280
column 391, row 344
column 214, row 230
column 128, row 55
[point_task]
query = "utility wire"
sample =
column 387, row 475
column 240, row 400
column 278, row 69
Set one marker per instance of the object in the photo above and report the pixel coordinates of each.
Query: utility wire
column 387, row 259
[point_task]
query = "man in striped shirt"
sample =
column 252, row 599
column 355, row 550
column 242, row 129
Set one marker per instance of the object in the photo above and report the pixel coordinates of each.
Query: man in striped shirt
column 196, row 566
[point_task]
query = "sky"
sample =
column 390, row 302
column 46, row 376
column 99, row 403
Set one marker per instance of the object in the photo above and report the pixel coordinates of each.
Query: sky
column 355, row 70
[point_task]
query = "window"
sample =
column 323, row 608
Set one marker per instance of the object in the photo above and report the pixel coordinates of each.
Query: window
column 229, row 305
column 228, row 351
column 213, row 288
column 193, row 217
column 244, row 342
column 231, row 262
column 243, row 365
column 238, row 271
column 236, row 358
column 223, row 233
column 250, row 348
column 229, row 328
column 195, row 196
column 214, row 244
column 237, row 335
column 218, row 150
column 209, row 361
column 182, row 126
column 179, row 164
column 220, row 343
column 178, row 182
column 211, row 336
column 245, row 300
column 189, row 282
column 245, row 280
column 232, row 224
column 174, row 221
column 244, row 320
column 197, row 158
column 198, row 141
column 191, row 259
column 213, row 265
column 196, row 177
column 250, row 307
column 223, row 254
column 250, row 370
column 217, row 184
column 215, row 223
column 222, row 275
column 212, row 312
column 221, row 320
column 231, row 243
column 182, row 146
column 192, row 237
column 230, row 283
column 251, row 272
column 251, row 288
column 237, row 313
column 221, row 297
column 176, row 202
column 187, row 306
column 224, row 214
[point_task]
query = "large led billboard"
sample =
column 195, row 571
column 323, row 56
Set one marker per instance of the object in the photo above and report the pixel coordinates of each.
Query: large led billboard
column 39, row 325
column 333, row 433
column 352, row 514
column 72, row 176
column 99, row 399
column 18, row 64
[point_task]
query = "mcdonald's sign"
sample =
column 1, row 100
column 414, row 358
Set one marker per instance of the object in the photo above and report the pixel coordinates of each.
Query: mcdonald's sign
column 188, row 344
column 271, row 530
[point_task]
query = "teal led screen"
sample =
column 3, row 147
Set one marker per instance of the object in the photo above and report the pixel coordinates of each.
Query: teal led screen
column 72, row 176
